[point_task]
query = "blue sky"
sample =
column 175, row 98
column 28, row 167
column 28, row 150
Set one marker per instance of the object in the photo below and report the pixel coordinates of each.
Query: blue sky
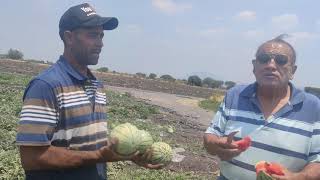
column 176, row 37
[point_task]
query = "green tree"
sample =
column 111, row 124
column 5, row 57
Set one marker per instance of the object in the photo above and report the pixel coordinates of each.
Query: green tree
column 15, row 54
column 216, row 84
column 194, row 80
column 167, row 77
column 229, row 84
column 152, row 76
column 103, row 69
column 208, row 81
column 142, row 75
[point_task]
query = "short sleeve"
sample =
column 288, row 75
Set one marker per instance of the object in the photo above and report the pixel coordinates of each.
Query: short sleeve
column 218, row 123
column 39, row 115
column 314, row 153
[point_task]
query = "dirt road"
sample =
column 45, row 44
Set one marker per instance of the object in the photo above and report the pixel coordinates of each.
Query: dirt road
column 183, row 105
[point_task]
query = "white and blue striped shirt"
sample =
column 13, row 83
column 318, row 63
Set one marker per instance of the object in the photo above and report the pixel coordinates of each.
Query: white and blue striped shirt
column 290, row 137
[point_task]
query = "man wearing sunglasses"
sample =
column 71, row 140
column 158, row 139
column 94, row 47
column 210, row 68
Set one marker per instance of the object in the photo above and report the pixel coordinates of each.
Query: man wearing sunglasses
column 282, row 121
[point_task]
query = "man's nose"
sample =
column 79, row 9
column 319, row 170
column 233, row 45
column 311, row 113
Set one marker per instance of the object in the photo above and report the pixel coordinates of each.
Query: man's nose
column 99, row 42
column 272, row 63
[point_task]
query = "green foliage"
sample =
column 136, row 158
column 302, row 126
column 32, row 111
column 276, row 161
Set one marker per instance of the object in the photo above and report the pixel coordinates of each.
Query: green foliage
column 15, row 54
column 208, row 81
column 123, row 106
column 152, row 76
column 194, row 81
column 216, row 84
column 229, row 84
column 167, row 77
column 10, row 166
column 209, row 104
column 123, row 171
column 142, row 75
column 8, row 79
column 11, row 92
column 103, row 69
column 313, row 90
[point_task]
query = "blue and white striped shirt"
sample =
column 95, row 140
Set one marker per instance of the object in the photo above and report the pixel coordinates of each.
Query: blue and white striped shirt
column 290, row 137
column 63, row 108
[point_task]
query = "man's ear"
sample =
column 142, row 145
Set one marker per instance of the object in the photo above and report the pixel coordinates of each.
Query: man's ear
column 254, row 65
column 294, row 68
column 67, row 35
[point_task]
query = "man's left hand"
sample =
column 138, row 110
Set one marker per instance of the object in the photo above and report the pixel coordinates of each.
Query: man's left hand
column 144, row 160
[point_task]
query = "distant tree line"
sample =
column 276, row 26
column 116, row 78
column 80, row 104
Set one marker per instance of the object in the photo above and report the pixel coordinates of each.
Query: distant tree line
column 12, row 54
column 209, row 82
column 313, row 90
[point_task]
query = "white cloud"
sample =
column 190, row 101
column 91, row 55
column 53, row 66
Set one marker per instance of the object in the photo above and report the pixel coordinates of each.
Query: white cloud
column 212, row 32
column 170, row 7
column 134, row 28
column 246, row 16
column 253, row 33
column 285, row 21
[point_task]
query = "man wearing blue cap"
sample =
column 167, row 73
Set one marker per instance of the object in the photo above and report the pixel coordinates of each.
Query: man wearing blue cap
column 62, row 132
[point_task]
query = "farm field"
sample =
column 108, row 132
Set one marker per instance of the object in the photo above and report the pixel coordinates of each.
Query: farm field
column 180, row 131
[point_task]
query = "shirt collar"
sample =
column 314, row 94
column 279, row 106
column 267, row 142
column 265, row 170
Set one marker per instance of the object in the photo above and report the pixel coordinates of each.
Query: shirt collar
column 74, row 72
column 297, row 95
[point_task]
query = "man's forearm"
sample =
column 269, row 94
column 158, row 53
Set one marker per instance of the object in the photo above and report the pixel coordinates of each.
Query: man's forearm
column 209, row 143
column 51, row 157
column 311, row 172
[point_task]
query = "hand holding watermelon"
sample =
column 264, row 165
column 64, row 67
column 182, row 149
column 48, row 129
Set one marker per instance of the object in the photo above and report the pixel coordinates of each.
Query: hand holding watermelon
column 108, row 153
column 244, row 143
column 267, row 171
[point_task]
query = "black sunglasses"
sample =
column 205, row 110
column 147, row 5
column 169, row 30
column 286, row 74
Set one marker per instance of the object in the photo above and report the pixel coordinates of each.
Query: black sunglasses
column 278, row 58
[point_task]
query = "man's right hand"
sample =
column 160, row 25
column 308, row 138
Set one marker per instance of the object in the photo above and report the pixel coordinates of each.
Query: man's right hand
column 223, row 147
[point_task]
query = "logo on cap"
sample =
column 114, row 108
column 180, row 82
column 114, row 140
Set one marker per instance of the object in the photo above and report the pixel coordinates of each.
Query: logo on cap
column 88, row 10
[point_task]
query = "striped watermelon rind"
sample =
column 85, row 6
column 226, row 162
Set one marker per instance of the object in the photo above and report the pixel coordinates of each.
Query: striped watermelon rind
column 262, row 175
column 128, row 136
column 161, row 153
column 144, row 141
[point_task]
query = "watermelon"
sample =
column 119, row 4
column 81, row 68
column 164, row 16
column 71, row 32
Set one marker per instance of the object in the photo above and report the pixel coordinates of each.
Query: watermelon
column 128, row 138
column 244, row 143
column 161, row 153
column 144, row 141
column 264, row 170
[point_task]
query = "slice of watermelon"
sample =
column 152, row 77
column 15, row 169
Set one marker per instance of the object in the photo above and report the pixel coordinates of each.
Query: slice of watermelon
column 264, row 170
column 244, row 143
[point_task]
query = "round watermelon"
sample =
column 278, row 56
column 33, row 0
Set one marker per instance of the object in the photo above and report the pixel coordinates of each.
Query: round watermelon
column 161, row 153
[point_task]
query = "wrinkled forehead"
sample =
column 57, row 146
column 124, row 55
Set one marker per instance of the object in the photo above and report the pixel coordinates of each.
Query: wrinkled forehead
column 275, row 48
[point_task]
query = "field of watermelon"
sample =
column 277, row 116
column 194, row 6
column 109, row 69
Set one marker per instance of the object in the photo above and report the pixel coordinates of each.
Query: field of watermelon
column 164, row 125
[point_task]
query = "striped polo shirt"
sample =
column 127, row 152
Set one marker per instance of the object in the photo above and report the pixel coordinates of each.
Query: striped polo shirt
column 290, row 137
column 64, row 108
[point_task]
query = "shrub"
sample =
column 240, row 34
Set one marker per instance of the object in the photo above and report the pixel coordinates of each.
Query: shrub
column 152, row 76
column 167, row 77
column 194, row 81
column 216, row 84
column 142, row 75
column 103, row 69
column 208, row 81
column 15, row 54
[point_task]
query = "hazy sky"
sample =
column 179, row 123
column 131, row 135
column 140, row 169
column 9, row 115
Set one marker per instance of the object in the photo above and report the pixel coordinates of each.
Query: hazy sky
column 176, row 37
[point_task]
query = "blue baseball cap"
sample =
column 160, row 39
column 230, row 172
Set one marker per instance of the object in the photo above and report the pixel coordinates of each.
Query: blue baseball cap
column 84, row 15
